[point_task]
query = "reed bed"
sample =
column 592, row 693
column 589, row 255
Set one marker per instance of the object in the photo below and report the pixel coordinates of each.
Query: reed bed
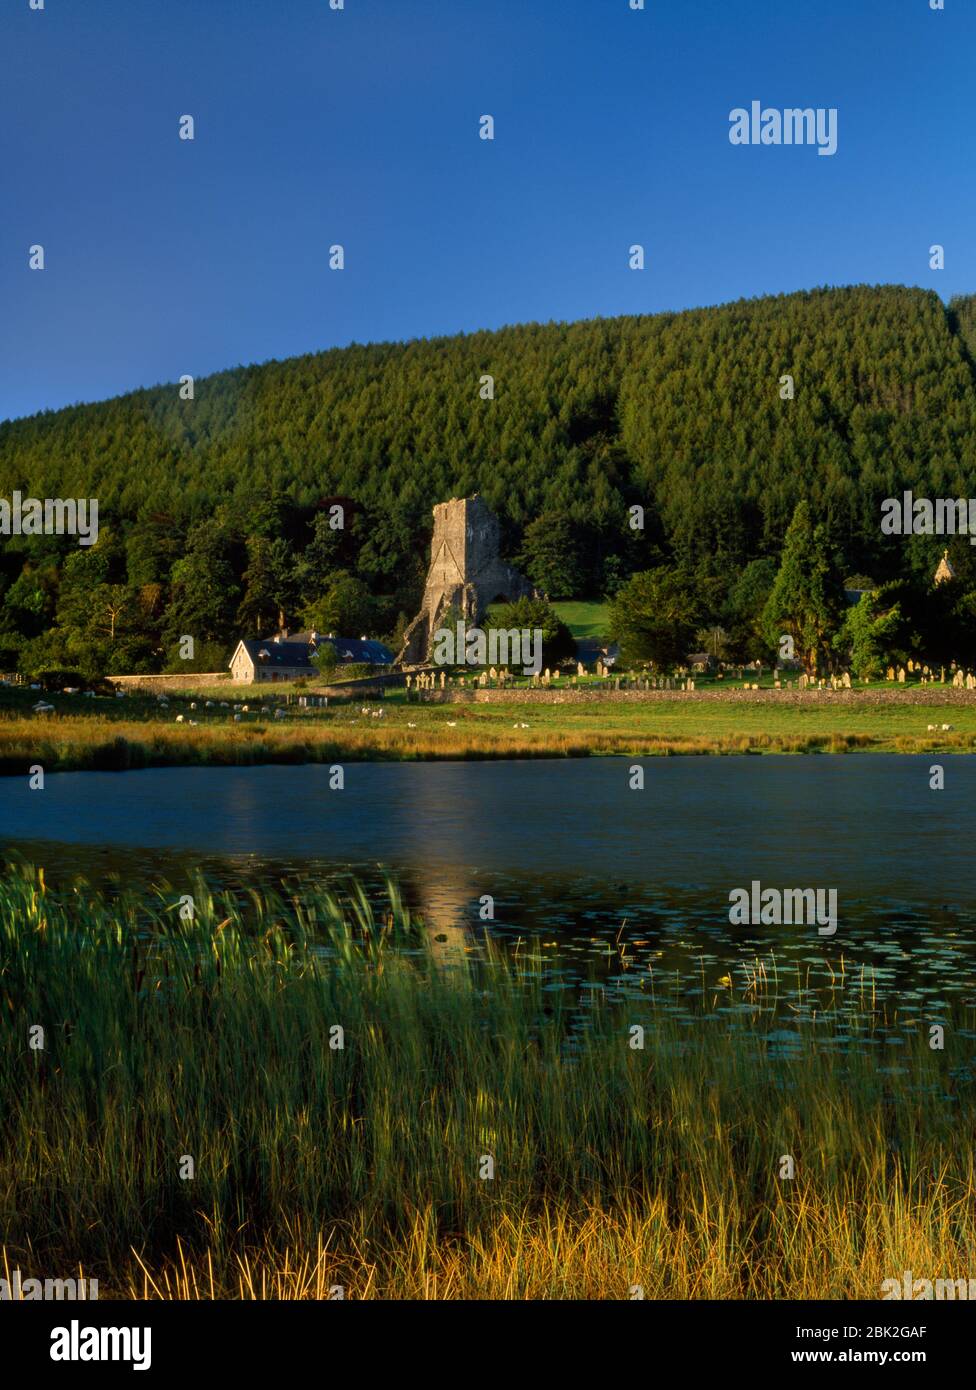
column 363, row 1167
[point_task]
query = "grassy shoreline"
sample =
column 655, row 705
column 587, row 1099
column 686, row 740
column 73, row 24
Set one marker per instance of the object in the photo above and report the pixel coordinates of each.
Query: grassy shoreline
column 110, row 735
column 362, row 1166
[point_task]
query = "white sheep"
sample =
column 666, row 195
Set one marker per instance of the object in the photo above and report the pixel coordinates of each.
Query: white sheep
column 946, row 728
column 179, row 719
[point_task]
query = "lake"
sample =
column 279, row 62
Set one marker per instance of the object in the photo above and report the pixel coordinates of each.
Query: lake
column 577, row 863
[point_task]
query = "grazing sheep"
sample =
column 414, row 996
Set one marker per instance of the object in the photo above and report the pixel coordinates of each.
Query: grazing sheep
column 931, row 728
column 411, row 726
column 209, row 704
column 946, row 728
column 451, row 723
column 193, row 704
column 179, row 719
column 42, row 708
column 523, row 726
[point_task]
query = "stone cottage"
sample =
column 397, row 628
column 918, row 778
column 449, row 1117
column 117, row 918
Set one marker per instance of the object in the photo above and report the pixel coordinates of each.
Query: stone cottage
column 289, row 658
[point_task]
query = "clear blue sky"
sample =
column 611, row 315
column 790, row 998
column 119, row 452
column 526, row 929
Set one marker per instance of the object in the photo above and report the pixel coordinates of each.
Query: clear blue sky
column 315, row 126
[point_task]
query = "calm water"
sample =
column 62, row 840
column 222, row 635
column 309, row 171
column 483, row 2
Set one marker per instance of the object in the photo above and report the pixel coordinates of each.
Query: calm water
column 578, row 864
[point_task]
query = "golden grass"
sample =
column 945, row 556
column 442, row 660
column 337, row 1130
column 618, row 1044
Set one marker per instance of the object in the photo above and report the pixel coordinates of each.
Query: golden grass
column 817, row 1246
column 359, row 1167
column 76, row 742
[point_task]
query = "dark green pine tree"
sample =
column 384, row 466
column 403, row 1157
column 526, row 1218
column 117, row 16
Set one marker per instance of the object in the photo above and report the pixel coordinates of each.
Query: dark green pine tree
column 807, row 602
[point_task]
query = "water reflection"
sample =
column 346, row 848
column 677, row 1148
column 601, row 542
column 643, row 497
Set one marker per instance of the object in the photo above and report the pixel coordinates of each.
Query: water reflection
column 589, row 880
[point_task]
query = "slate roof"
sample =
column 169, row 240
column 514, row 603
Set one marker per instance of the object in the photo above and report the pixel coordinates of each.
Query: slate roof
column 279, row 653
column 360, row 649
column 297, row 651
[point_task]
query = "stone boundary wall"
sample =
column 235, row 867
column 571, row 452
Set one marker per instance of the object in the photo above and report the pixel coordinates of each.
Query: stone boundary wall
column 193, row 680
column 196, row 680
column 366, row 685
column 919, row 695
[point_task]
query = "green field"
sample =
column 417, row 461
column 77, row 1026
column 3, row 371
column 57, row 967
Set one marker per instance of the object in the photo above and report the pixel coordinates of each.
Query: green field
column 139, row 732
column 584, row 619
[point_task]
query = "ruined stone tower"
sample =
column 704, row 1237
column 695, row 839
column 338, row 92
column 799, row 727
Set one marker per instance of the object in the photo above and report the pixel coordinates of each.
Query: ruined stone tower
column 465, row 572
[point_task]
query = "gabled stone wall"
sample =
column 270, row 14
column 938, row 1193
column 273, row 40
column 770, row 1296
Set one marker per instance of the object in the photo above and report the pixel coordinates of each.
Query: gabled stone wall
column 465, row 572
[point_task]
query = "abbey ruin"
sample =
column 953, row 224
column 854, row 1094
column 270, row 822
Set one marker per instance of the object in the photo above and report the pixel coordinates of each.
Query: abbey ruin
column 466, row 574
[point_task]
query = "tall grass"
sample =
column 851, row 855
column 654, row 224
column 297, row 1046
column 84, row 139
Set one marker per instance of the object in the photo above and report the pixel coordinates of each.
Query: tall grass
column 103, row 744
column 362, row 1166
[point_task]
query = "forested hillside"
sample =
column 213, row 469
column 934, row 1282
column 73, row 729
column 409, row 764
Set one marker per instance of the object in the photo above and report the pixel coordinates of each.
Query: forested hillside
column 212, row 510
